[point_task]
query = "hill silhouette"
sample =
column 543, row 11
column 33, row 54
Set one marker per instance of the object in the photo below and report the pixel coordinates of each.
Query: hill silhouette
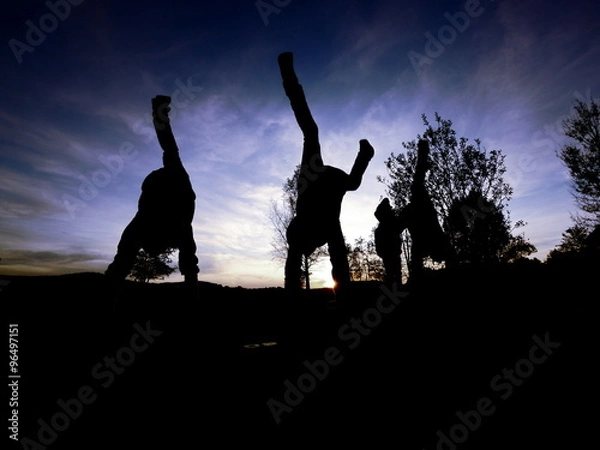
column 487, row 358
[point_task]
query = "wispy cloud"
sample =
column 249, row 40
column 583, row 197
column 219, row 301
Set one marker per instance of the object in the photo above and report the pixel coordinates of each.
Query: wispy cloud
column 23, row 196
column 508, row 79
column 369, row 39
column 27, row 262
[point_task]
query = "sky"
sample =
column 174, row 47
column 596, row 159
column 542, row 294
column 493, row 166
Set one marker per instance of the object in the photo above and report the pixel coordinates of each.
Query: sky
column 76, row 138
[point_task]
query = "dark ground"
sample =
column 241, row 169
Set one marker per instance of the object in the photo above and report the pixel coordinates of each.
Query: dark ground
column 420, row 364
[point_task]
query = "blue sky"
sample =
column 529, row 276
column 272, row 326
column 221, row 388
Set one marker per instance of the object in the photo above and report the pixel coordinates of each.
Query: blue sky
column 76, row 138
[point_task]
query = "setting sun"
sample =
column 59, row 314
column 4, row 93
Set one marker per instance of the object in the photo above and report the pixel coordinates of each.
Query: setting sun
column 329, row 284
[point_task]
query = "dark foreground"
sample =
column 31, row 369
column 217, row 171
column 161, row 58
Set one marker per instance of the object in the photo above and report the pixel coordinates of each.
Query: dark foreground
column 468, row 360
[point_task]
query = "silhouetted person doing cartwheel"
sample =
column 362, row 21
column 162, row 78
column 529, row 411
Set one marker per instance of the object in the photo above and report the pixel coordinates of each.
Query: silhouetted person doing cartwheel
column 321, row 190
column 165, row 209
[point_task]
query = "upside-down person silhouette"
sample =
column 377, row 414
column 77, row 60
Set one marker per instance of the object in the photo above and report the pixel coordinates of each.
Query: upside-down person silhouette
column 321, row 190
column 420, row 217
column 165, row 209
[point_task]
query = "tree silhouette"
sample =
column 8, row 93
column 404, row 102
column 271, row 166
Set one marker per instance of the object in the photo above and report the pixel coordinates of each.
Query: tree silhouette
column 479, row 237
column 572, row 246
column 280, row 216
column 148, row 267
column 582, row 158
column 518, row 246
column 466, row 186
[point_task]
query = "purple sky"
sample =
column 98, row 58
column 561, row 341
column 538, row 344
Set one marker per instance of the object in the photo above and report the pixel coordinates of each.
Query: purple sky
column 77, row 79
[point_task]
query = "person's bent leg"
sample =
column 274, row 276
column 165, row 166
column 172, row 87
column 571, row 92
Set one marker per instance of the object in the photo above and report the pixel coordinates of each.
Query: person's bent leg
column 365, row 154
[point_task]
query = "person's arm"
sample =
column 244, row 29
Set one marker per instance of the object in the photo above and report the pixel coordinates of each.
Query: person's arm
column 164, row 133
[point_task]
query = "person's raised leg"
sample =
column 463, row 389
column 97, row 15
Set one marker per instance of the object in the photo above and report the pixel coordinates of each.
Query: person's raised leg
column 164, row 132
column 311, row 152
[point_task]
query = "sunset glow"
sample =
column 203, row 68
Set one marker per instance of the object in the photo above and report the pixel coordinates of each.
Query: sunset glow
column 77, row 140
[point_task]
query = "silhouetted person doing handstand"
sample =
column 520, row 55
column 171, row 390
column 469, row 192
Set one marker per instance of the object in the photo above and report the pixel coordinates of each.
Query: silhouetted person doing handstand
column 321, row 190
column 165, row 209
column 420, row 216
